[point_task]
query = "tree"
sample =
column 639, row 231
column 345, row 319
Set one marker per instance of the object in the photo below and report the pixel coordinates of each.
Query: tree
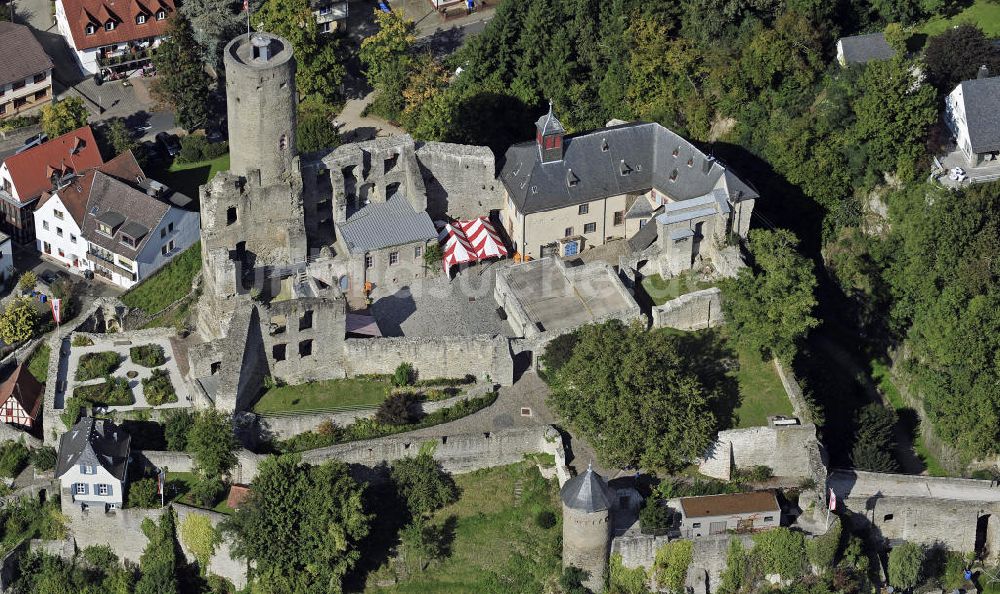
column 43, row 458
column 635, row 397
column 144, row 493
column 19, row 320
column 201, row 538
column 896, row 36
column 397, row 409
column 873, row 439
column 423, row 542
column 119, row 137
column 423, row 484
column 956, row 55
column 905, row 564
column 671, row 565
column 181, row 78
column 158, row 563
column 314, row 129
column 212, row 444
column 571, row 581
column 215, row 22
column 781, row 551
column 769, row 306
column 822, row 550
column 390, row 45
column 319, row 72
column 301, row 525
column 176, row 427
column 733, row 578
column 64, row 116
column 404, row 375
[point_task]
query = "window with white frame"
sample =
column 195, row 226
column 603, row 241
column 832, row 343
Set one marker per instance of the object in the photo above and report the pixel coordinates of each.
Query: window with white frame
column 45, row 225
column 81, row 489
column 393, row 258
column 58, row 214
column 103, row 489
column 109, row 26
column 140, row 19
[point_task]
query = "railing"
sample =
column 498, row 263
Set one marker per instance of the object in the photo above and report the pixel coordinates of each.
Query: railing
column 109, row 258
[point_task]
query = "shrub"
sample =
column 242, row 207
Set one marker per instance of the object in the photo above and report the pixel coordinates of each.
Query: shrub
column 71, row 412
column 192, row 148
column 397, row 409
column 433, row 255
column 95, row 365
column 43, row 458
column 144, row 493
column 13, row 458
column 27, row 281
column 671, row 565
column 214, row 150
column 113, row 391
column 80, row 340
column 545, row 519
column 176, row 427
column 158, row 388
column 781, row 551
column 207, row 492
column 754, row 474
column 822, row 550
column 446, row 381
column 404, row 375
column 147, row 355
column 655, row 517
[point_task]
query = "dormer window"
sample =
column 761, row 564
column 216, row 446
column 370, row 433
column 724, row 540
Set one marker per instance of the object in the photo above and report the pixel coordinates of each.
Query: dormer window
column 676, row 152
column 130, row 241
column 624, row 168
column 109, row 26
column 91, row 29
column 691, row 162
column 140, row 19
column 604, row 145
column 673, row 175
column 161, row 14
column 105, row 229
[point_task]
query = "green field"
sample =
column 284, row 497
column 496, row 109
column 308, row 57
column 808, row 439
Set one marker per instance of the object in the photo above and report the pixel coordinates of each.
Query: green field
column 168, row 284
column 761, row 391
column 329, row 395
column 38, row 364
column 497, row 546
column 985, row 13
column 660, row 291
column 186, row 178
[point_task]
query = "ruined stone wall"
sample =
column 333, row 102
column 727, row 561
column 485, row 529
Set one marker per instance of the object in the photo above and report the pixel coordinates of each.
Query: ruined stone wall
column 790, row 451
column 709, row 555
column 486, row 357
column 307, row 335
column 173, row 461
column 460, row 180
column 693, row 311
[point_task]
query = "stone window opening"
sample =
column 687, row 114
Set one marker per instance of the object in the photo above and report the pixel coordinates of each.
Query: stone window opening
column 619, row 218
column 278, row 351
column 231, row 215
column 306, row 321
column 393, row 258
column 525, row 411
column 768, row 518
column 216, row 367
column 305, row 348
column 887, row 518
column 283, row 142
column 391, row 162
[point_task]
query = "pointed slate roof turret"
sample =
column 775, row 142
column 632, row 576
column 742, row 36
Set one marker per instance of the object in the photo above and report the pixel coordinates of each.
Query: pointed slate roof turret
column 586, row 492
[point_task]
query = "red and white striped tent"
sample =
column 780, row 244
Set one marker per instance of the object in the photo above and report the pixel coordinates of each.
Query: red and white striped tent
column 469, row 241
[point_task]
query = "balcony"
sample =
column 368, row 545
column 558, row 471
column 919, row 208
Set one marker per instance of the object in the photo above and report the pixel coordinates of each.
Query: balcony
column 130, row 56
column 104, row 257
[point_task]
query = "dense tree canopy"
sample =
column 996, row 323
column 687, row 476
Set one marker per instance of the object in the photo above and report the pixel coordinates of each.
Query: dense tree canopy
column 423, row 484
column 635, row 397
column 182, row 81
column 64, row 116
column 956, row 55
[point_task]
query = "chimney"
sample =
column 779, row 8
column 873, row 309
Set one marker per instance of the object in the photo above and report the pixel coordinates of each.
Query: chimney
column 984, row 72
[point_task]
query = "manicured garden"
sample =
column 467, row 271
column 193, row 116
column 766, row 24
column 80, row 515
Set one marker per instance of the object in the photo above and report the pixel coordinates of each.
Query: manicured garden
column 158, row 388
column 661, row 290
column 500, row 543
column 328, row 395
column 169, row 284
column 95, row 365
column 113, row 392
column 147, row 355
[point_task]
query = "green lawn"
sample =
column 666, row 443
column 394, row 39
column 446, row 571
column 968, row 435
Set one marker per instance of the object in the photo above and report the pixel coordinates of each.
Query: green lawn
column 178, row 485
column 985, row 13
column 883, row 379
column 761, row 391
column 329, row 395
column 186, row 178
column 660, row 291
column 38, row 364
column 169, row 284
column 497, row 546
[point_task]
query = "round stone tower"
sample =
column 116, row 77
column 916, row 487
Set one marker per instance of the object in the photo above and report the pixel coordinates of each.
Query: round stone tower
column 261, row 103
column 586, row 504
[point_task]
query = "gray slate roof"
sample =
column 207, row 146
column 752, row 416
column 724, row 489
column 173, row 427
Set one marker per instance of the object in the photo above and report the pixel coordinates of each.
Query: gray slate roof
column 116, row 201
column 21, row 55
column 386, row 224
column 586, row 492
column 982, row 112
column 94, row 442
column 861, row 49
column 628, row 158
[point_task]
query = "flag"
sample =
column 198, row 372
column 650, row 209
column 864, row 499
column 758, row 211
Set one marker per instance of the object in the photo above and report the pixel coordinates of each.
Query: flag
column 56, row 310
column 246, row 5
column 833, row 500
column 159, row 482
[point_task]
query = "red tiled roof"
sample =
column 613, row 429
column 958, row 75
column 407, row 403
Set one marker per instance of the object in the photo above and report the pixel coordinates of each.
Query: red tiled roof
column 30, row 171
column 23, row 387
column 76, row 195
column 123, row 12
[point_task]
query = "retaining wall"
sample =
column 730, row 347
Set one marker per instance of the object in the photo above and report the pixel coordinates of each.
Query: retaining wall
column 485, row 357
column 693, row 311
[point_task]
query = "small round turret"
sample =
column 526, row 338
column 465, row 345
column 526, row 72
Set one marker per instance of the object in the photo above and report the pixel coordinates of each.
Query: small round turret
column 586, row 503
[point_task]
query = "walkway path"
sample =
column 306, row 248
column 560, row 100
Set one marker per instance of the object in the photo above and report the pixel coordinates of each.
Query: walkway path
column 355, row 127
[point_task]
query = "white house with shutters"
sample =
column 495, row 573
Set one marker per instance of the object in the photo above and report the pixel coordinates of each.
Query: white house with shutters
column 92, row 466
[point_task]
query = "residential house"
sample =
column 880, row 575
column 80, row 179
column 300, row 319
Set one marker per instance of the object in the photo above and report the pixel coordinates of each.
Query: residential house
column 113, row 35
column 21, row 398
column 6, row 258
column 25, row 71
column 972, row 113
column 565, row 194
column 24, row 177
column 861, row 49
column 115, row 222
column 331, row 15
column 736, row 512
column 92, row 464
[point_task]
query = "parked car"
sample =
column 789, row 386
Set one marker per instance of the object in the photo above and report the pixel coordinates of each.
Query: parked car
column 170, row 143
column 32, row 142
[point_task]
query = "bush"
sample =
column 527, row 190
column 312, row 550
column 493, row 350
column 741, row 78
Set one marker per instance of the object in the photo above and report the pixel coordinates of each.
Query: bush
column 14, row 457
column 397, row 409
column 176, row 427
column 147, row 355
column 404, row 375
column 545, row 519
column 144, row 493
column 433, row 255
column 113, row 391
column 192, row 148
column 158, row 388
column 754, row 474
column 80, row 340
column 43, row 458
column 781, row 551
column 27, row 281
column 207, row 492
column 655, row 517
column 214, row 150
column 446, row 381
column 95, row 365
